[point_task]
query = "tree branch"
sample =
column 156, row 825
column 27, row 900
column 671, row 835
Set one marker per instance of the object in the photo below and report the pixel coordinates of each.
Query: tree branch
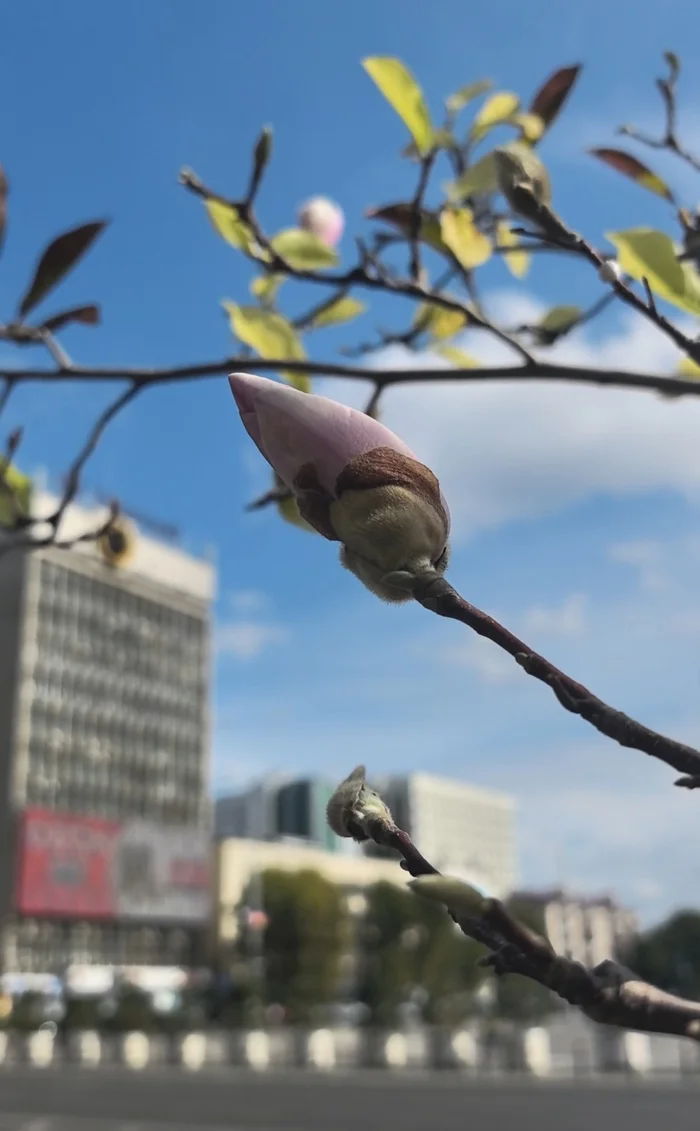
column 609, row 993
column 537, row 371
column 554, row 229
column 426, row 165
column 669, row 139
column 28, row 525
column 359, row 275
column 438, row 596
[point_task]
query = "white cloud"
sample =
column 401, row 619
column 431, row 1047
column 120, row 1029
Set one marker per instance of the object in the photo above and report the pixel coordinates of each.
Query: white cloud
column 646, row 556
column 481, row 656
column 248, row 600
column 567, row 619
column 247, row 639
column 506, row 450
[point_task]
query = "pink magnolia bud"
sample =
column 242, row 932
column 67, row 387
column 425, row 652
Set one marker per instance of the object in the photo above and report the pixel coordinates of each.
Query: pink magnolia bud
column 354, row 481
column 322, row 217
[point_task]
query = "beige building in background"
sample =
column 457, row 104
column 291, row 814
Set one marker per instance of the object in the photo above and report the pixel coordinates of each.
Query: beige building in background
column 588, row 929
column 238, row 861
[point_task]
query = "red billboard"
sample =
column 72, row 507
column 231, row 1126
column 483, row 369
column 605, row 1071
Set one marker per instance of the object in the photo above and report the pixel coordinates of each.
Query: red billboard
column 65, row 865
column 87, row 868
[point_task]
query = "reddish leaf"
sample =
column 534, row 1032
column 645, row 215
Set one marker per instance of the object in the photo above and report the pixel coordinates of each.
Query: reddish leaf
column 3, row 204
column 553, row 93
column 87, row 315
column 398, row 214
column 630, row 167
column 401, row 216
column 60, row 256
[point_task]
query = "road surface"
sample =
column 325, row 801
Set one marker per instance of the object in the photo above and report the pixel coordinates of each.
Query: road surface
column 69, row 1099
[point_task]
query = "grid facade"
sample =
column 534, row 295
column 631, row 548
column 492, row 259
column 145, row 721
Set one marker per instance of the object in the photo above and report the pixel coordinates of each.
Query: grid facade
column 104, row 712
column 118, row 690
column 588, row 929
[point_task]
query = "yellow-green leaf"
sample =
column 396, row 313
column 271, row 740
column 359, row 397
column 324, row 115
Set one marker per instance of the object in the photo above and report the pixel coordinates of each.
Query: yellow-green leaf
column 518, row 166
column 646, row 253
column 303, row 250
column 289, row 511
column 270, row 335
column 228, row 224
column 496, row 109
column 265, row 287
column 438, row 321
column 342, row 310
column 469, row 246
column 630, row 167
column 688, row 368
column 480, row 179
column 559, row 318
column 517, row 262
column 457, row 357
column 403, row 93
column 466, row 94
column 15, row 494
column 531, row 125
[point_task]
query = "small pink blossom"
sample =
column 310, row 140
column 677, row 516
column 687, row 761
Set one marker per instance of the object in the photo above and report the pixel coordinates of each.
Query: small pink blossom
column 322, row 217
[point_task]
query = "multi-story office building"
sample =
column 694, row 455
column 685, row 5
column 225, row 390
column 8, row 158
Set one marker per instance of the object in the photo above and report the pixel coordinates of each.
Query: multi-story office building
column 278, row 807
column 104, row 736
column 250, row 813
column 301, row 812
column 588, row 929
column 463, row 830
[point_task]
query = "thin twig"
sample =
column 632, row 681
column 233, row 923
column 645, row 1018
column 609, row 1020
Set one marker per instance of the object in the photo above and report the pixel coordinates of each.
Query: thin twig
column 438, row 596
column 650, row 297
column 609, row 993
column 359, row 275
column 306, row 321
column 73, row 477
column 554, row 229
column 426, row 166
column 6, row 391
column 55, row 349
column 30, row 540
column 669, row 140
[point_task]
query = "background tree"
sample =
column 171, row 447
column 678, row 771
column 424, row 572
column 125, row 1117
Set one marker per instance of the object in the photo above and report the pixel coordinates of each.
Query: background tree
column 517, row 998
column 669, row 955
column 304, row 940
column 412, row 952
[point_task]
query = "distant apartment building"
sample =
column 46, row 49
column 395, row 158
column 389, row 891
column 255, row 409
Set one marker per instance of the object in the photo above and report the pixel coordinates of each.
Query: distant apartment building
column 250, row 813
column 104, row 739
column 278, row 807
column 463, row 830
column 588, row 929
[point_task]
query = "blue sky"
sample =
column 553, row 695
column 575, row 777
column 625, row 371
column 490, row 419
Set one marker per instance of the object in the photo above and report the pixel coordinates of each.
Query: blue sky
column 576, row 511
